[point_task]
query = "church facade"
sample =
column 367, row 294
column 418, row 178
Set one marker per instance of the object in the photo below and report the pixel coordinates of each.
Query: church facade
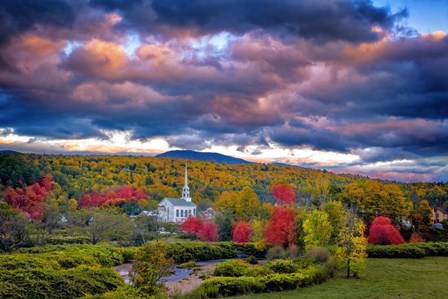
column 177, row 209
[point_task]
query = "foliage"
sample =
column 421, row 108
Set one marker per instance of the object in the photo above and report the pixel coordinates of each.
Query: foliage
column 30, row 200
column 224, row 227
column 101, row 224
column 73, row 283
column 382, row 232
column 318, row 254
column 117, row 196
column 283, row 193
column 231, row 286
column 242, row 205
column 151, row 264
column 414, row 250
column 352, row 244
column 231, row 268
column 280, row 228
column 276, row 252
column 13, row 227
column 336, row 217
column 188, row 265
column 191, row 225
column 426, row 215
column 281, row 266
column 208, row 232
column 317, row 229
column 241, row 232
column 252, row 260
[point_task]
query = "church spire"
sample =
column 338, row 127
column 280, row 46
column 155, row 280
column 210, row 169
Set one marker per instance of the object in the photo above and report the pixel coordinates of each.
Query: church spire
column 186, row 190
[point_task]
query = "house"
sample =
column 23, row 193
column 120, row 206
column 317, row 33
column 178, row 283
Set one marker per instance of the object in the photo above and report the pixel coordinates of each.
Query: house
column 439, row 214
column 177, row 209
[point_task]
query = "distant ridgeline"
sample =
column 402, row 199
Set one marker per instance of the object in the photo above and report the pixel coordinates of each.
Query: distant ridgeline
column 163, row 177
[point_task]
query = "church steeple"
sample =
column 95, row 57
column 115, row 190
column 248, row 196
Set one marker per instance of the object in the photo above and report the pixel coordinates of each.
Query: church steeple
column 186, row 190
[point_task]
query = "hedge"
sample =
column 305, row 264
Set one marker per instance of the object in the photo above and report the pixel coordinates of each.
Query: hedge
column 74, row 255
column 414, row 250
column 71, row 283
column 200, row 251
column 231, row 286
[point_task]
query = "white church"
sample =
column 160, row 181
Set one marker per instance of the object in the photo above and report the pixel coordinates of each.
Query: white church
column 177, row 209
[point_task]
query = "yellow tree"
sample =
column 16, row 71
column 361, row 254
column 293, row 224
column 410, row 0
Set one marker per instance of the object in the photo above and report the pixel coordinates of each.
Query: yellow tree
column 317, row 229
column 352, row 244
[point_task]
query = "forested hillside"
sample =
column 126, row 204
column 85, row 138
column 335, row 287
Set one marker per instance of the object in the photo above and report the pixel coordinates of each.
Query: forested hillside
column 76, row 176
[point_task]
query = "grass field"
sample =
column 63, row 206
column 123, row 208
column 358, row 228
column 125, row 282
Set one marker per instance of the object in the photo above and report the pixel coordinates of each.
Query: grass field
column 383, row 278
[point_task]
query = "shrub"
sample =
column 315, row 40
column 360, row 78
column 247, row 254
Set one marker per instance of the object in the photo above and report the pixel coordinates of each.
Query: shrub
column 276, row 252
column 241, row 232
column 258, row 270
column 382, row 232
column 72, row 283
column 281, row 266
column 231, row 268
column 252, row 260
column 391, row 251
column 227, row 286
column 188, row 265
column 319, row 254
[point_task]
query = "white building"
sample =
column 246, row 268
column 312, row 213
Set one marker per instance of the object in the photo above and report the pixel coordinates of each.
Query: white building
column 177, row 209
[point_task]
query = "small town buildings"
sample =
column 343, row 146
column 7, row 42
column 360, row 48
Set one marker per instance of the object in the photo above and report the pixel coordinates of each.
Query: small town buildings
column 177, row 209
column 439, row 215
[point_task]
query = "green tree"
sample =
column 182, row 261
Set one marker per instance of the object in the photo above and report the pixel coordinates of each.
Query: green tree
column 426, row 215
column 151, row 264
column 13, row 227
column 317, row 229
column 336, row 214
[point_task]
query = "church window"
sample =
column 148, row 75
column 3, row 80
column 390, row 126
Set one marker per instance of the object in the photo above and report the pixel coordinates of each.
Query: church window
column 177, row 213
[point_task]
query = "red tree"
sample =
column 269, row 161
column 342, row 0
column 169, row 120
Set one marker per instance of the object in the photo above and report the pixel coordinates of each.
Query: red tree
column 241, row 232
column 208, row 232
column 283, row 193
column 30, row 200
column 191, row 225
column 382, row 232
column 113, row 197
column 280, row 227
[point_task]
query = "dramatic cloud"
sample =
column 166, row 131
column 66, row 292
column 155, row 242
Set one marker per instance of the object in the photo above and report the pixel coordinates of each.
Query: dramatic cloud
column 340, row 84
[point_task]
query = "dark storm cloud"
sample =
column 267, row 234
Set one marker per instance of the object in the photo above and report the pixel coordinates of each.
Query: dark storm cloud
column 320, row 20
column 339, row 76
column 17, row 16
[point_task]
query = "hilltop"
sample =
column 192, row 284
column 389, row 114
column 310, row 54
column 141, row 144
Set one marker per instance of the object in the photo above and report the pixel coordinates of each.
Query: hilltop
column 203, row 156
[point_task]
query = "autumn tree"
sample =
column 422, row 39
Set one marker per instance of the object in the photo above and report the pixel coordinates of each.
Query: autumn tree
column 426, row 215
column 283, row 193
column 317, row 229
column 30, row 200
column 336, row 216
column 382, row 232
column 150, row 265
column 352, row 244
column 280, row 228
column 208, row 232
column 191, row 225
column 241, row 232
column 240, row 205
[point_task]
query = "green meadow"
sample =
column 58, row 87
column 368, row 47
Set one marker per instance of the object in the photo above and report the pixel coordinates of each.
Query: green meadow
column 383, row 278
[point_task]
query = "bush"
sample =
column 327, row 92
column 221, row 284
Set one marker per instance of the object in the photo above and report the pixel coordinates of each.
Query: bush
column 382, row 232
column 104, row 255
column 258, row 270
column 282, row 266
column 72, row 283
column 62, row 240
column 319, row 254
column 188, row 265
column 252, row 260
column 231, row 268
column 391, row 251
column 227, row 286
column 410, row 250
column 231, row 286
column 276, row 252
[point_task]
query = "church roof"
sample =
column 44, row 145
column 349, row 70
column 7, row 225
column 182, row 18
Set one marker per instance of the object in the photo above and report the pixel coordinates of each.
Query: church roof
column 180, row 202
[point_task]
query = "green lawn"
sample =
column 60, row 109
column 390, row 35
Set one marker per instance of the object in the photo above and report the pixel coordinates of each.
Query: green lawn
column 383, row 278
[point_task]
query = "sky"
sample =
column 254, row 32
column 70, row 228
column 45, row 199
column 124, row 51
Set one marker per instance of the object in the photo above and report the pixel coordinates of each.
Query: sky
column 348, row 86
